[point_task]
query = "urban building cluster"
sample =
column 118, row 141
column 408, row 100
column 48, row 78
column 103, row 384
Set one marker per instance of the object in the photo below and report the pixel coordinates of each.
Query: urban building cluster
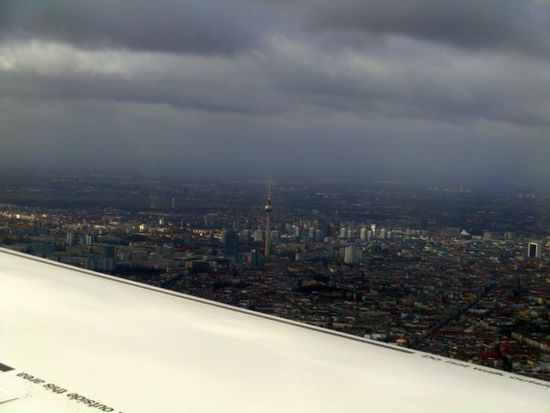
column 442, row 270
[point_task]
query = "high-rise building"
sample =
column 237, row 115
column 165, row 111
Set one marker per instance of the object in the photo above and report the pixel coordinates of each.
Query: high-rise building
column 258, row 235
column 231, row 243
column 70, row 239
column 319, row 235
column 363, row 234
column 244, row 237
column 343, row 233
column 350, row 255
column 254, row 258
column 370, row 235
column 297, row 232
column 268, row 210
column 508, row 235
column 534, row 250
column 89, row 239
column 274, row 237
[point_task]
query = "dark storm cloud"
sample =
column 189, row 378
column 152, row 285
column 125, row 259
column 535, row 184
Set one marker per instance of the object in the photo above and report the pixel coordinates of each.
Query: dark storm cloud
column 410, row 88
column 519, row 25
column 412, row 80
column 434, row 85
column 198, row 26
column 211, row 26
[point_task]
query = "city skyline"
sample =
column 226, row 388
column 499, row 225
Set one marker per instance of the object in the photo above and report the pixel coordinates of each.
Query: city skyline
column 429, row 90
column 451, row 271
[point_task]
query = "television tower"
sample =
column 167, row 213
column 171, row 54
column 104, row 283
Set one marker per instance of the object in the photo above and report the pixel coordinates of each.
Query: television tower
column 268, row 210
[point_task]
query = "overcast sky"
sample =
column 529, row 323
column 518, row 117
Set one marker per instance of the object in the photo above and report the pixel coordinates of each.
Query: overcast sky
column 414, row 89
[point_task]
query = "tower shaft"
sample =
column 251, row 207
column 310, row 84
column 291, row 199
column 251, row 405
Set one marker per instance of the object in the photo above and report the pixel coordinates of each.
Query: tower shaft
column 267, row 251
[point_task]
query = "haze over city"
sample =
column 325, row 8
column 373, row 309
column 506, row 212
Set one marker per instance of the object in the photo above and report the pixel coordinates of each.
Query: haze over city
column 421, row 90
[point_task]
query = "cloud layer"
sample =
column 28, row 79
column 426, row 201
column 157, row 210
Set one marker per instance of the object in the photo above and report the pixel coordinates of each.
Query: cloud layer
column 502, row 25
column 359, row 88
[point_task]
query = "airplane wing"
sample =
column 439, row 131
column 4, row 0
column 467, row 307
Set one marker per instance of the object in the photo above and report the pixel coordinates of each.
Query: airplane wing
column 73, row 340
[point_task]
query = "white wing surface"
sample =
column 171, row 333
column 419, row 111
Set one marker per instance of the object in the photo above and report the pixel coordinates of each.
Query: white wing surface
column 73, row 340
